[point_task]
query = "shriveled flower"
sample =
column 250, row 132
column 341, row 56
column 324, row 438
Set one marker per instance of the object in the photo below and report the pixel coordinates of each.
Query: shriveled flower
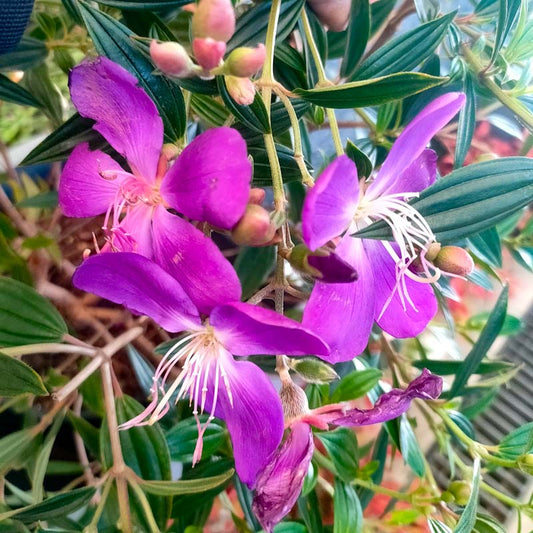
column 391, row 288
column 236, row 391
column 280, row 483
column 209, row 181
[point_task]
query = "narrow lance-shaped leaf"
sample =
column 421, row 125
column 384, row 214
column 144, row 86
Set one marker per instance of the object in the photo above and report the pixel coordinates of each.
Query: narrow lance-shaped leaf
column 356, row 37
column 185, row 486
column 346, row 509
column 508, row 12
column 140, row 5
column 467, row 122
column 468, row 517
column 12, row 92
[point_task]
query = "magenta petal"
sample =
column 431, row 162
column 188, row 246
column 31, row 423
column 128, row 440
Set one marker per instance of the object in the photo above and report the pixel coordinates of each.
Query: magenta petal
column 391, row 405
column 343, row 313
column 137, row 229
column 141, row 286
column 125, row 115
column 210, row 181
column 280, row 483
column 246, row 329
column 195, row 261
column 254, row 416
column 82, row 190
column 395, row 320
column 413, row 141
column 330, row 205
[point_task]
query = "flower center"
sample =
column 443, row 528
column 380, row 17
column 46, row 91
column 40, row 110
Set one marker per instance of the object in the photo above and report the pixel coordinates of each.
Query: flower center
column 201, row 356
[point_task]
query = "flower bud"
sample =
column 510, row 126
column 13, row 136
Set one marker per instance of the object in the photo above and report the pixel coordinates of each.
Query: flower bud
column 208, row 52
column 314, row 370
column 454, row 260
column 461, row 491
column 334, row 14
column 171, row 59
column 254, row 228
column 215, row 19
column 525, row 463
column 324, row 265
column 293, row 400
column 242, row 90
column 245, row 62
column 257, row 196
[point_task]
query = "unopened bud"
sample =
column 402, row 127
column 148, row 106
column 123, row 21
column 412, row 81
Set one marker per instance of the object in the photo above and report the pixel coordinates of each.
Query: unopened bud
column 245, row 62
column 254, row 228
column 314, row 370
column 215, row 19
column 293, row 400
column 257, row 196
column 171, row 59
column 242, row 90
column 461, row 491
column 525, row 463
column 433, row 249
column 208, row 52
column 170, row 151
column 16, row 75
column 454, row 260
column 324, row 265
column 334, row 14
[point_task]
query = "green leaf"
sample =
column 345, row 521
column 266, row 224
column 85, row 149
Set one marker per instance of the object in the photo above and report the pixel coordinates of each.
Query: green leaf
column 356, row 37
column 309, row 509
column 254, row 115
column 371, row 92
column 470, row 199
column 185, row 486
column 511, row 324
column 251, row 27
column 379, row 11
column 341, row 445
column 449, row 368
column 467, row 122
column 253, row 265
column 182, row 438
column 60, row 143
column 411, row 452
column 54, row 507
column 361, row 160
column 356, row 384
column 88, row 433
column 487, row 524
column 486, row 245
column 29, row 53
column 262, row 176
column 405, row 52
column 508, row 13
column 17, row 378
column 26, row 317
column 517, row 442
column 209, row 109
column 15, row 93
column 114, row 40
column 38, row 82
column 143, row 5
column 44, row 200
column 484, row 342
column 290, row 527
column 346, row 509
column 13, row 447
column 468, row 517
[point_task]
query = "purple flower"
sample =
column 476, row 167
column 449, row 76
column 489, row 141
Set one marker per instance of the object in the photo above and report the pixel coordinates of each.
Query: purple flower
column 210, row 181
column 235, row 391
column 389, row 289
column 280, row 483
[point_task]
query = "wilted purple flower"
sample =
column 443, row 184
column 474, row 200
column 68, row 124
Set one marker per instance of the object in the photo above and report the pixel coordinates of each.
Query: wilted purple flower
column 210, row 181
column 389, row 289
column 236, row 391
column 280, row 483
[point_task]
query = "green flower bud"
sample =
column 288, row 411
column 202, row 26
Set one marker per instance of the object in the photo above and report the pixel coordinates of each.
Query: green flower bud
column 245, row 62
column 314, row 370
column 460, row 490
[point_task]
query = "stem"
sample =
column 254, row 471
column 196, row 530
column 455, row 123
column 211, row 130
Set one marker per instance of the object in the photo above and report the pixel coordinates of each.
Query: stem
column 145, row 505
column 51, row 347
column 119, row 467
column 322, row 80
column 92, row 527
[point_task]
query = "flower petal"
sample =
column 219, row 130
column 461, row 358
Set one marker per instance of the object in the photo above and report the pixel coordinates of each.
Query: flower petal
column 253, row 415
column 396, row 320
column 413, row 140
column 343, row 313
column 391, row 405
column 125, row 115
column 210, row 181
column 140, row 285
column 195, row 261
column 246, row 329
column 330, row 205
column 280, row 483
column 83, row 192
column 137, row 227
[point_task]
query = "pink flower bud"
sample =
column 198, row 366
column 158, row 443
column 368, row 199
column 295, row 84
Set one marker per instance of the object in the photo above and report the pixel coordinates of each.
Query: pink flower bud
column 215, row 19
column 208, row 52
column 257, row 196
column 242, row 90
column 245, row 62
column 171, row 59
column 334, row 14
column 254, row 228
column 454, row 260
